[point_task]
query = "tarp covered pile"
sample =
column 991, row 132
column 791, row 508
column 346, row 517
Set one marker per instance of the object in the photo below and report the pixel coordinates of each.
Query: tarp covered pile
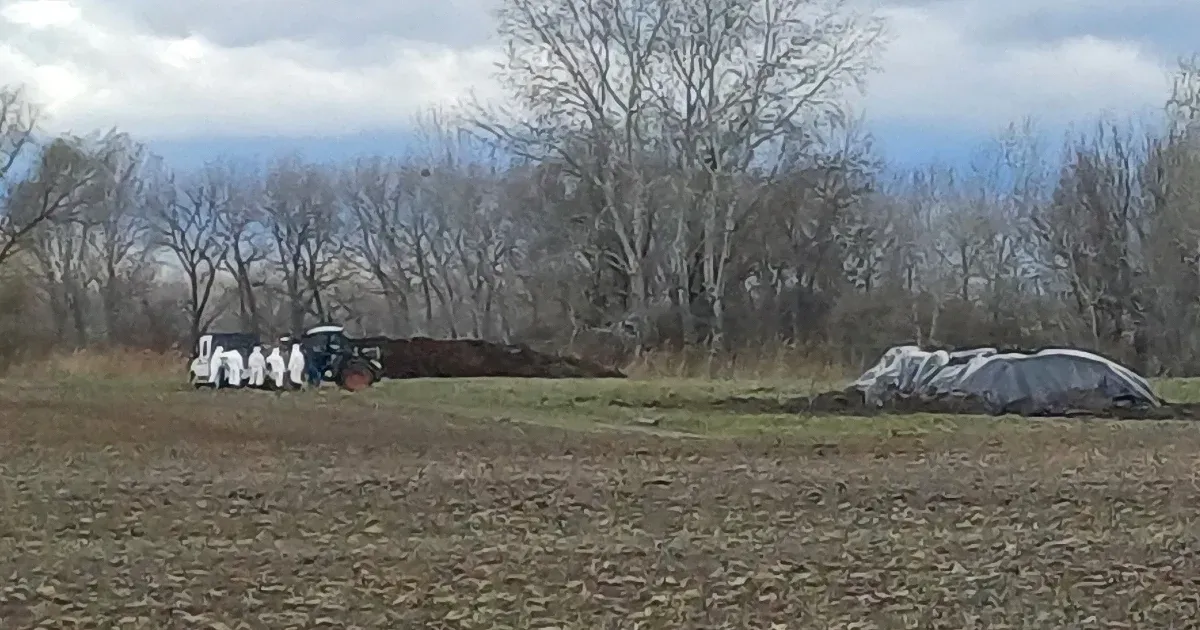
column 1047, row 382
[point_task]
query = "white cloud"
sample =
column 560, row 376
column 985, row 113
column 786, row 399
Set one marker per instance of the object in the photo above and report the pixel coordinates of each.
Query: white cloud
column 38, row 15
column 942, row 70
column 95, row 65
column 95, row 69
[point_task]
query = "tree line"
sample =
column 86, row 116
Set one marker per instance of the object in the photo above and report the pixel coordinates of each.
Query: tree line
column 661, row 174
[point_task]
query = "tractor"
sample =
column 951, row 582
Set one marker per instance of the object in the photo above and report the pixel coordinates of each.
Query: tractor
column 337, row 359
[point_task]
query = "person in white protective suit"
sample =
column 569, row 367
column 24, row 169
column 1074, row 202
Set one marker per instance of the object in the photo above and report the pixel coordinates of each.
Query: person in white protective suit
column 277, row 367
column 215, row 363
column 258, row 367
column 235, row 365
column 296, row 366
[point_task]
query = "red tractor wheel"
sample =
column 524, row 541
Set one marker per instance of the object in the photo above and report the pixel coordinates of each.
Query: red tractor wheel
column 357, row 378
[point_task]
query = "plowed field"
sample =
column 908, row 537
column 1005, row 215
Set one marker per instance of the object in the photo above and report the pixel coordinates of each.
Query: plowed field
column 537, row 505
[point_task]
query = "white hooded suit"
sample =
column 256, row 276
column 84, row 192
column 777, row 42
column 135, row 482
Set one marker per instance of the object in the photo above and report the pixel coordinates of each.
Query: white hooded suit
column 215, row 363
column 235, row 365
column 277, row 367
column 258, row 367
column 296, row 365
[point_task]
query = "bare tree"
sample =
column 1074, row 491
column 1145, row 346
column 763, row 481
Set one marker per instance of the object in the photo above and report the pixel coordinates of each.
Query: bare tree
column 59, row 248
column 63, row 179
column 119, row 233
column 481, row 247
column 1183, row 105
column 50, row 209
column 618, row 92
column 186, row 221
column 1171, row 196
column 1091, row 229
column 379, row 194
column 243, row 227
column 432, row 239
column 581, row 71
column 454, row 194
column 745, row 85
column 301, row 213
column 18, row 120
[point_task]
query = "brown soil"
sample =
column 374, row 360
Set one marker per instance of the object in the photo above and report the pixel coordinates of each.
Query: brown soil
column 421, row 357
column 160, row 510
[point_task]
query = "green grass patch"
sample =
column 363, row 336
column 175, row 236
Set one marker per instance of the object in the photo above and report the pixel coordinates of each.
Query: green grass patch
column 689, row 406
column 675, row 405
column 669, row 406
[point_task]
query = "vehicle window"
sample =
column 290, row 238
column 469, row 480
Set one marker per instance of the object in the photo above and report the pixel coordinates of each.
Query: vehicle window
column 316, row 342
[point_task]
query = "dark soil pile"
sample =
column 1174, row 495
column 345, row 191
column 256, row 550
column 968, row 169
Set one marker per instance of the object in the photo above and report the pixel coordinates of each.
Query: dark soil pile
column 422, row 357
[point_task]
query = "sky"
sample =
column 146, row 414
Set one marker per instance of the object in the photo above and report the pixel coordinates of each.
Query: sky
column 250, row 78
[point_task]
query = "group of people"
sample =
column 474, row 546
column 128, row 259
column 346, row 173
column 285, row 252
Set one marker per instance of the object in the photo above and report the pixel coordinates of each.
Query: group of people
column 289, row 374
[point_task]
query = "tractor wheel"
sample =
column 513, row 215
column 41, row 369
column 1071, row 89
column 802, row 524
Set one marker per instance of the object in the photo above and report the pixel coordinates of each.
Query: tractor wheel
column 356, row 377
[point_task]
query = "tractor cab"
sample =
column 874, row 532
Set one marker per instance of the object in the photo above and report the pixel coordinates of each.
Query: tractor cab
column 337, row 359
column 202, row 354
column 321, row 344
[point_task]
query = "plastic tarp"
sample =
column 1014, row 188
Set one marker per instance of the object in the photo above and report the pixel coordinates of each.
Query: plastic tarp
column 1044, row 382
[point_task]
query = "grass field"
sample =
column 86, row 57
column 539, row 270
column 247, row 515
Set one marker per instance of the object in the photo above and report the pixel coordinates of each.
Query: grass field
column 130, row 503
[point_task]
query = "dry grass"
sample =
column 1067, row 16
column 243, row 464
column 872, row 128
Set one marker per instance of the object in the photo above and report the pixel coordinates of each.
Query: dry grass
column 155, row 507
column 775, row 362
column 111, row 363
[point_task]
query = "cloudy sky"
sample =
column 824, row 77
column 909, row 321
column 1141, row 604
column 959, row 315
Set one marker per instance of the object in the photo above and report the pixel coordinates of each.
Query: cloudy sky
column 198, row 78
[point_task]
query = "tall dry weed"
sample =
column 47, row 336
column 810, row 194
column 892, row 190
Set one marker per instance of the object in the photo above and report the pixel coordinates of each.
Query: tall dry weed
column 108, row 363
column 771, row 362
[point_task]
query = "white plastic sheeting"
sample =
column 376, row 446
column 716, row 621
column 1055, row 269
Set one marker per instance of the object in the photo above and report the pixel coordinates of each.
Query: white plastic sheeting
column 1037, row 383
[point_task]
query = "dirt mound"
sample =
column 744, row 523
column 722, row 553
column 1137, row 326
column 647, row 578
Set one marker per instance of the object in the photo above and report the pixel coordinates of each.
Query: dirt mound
column 422, row 357
column 850, row 403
